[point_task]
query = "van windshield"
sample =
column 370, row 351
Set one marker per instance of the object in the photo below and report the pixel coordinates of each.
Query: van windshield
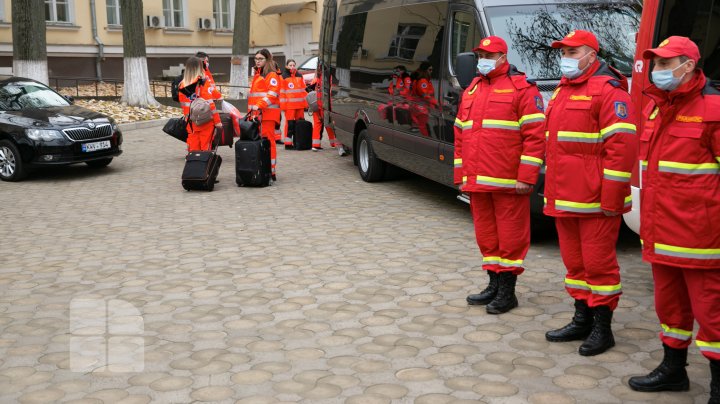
column 530, row 29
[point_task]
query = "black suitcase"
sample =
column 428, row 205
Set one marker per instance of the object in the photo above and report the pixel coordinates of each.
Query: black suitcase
column 201, row 170
column 303, row 135
column 252, row 163
column 228, row 131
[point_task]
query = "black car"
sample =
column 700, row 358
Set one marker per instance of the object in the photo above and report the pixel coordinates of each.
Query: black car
column 39, row 127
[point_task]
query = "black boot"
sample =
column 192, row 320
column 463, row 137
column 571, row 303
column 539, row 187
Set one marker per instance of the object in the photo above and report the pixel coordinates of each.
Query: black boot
column 578, row 329
column 505, row 299
column 670, row 375
column 487, row 295
column 601, row 337
column 714, row 382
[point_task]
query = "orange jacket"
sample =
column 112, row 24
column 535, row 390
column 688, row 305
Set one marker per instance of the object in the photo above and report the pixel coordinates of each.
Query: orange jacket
column 680, row 160
column 188, row 93
column 400, row 86
column 591, row 145
column 292, row 94
column 210, row 82
column 265, row 93
column 499, row 129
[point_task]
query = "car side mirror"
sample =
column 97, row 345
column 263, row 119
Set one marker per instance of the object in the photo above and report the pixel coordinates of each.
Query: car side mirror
column 69, row 98
column 465, row 68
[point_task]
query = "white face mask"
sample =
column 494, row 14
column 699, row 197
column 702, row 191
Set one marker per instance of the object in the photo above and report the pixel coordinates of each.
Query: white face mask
column 485, row 66
column 570, row 67
column 666, row 80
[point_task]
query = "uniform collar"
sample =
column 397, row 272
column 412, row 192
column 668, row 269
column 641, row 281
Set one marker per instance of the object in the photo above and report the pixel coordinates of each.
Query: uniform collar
column 500, row 71
column 692, row 87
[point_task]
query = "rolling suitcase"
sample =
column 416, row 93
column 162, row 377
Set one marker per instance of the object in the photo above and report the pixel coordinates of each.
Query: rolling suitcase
column 228, row 130
column 201, row 170
column 303, row 135
column 252, row 163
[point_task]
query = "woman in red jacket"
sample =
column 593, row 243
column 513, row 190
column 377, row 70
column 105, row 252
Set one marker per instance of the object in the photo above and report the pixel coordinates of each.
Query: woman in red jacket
column 292, row 100
column 194, row 85
column 423, row 97
column 265, row 97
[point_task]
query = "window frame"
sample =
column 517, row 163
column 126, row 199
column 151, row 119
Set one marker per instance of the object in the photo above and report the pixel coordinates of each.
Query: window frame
column 230, row 11
column 399, row 38
column 451, row 32
column 170, row 22
column 115, row 9
column 52, row 18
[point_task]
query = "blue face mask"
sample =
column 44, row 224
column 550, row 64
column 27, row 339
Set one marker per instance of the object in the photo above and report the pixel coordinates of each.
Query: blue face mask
column 570, row 67
column 485, row 66
column 666, row 80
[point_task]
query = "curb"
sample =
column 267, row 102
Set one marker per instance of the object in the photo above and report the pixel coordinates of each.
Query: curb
column 142, row 124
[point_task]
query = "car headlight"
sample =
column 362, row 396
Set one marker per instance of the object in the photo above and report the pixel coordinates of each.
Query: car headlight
column 43, row 134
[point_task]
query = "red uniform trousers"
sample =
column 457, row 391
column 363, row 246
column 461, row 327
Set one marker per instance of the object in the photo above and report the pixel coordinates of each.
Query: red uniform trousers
column 318, row 129
column 502, row 229
column 200, row 136
column 677, row 311
column 291, row 115
column 267, row 130
column 587, row 247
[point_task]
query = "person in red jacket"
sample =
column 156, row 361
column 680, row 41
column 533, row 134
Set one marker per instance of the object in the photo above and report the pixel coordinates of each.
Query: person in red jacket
column 499, row 148
column 680, row 211
column 194, row 85
column 401, row 82
column 422, row 95
column 591, row 147
column 264, row 97
column 209, row 80
column 292, row 100
column 318, row 122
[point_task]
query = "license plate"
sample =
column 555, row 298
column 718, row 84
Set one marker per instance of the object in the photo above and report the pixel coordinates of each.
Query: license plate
column 95, row 146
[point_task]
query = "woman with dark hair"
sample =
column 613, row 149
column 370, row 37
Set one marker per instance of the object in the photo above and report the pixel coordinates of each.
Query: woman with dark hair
column 192, row 86
column 265, row 97
column 423, row 96
column 292, row 100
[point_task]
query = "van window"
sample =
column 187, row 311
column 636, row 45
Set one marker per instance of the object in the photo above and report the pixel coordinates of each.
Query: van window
column 698, row 20
column 465, row 35
column 529, row 30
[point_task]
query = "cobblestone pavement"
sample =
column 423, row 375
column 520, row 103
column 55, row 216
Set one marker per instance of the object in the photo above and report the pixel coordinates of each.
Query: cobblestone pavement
column 319, row 289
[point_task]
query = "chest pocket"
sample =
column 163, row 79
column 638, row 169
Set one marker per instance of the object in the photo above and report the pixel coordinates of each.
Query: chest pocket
column 500, row 106
column 683, row 144
column 579, row 105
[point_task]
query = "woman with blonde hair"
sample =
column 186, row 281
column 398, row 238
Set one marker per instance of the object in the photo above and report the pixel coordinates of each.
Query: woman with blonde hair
column 265, row 97
column 192, row 86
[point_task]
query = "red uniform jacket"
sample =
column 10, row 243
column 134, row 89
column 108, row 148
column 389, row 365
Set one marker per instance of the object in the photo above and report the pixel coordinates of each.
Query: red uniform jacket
column 265, row 93
column 212, row 87
column 292, row 94
column 400, row 86
column 591, row 145
column 680, row 160
column 424, row 91
column 188, row 93
column 499, row 132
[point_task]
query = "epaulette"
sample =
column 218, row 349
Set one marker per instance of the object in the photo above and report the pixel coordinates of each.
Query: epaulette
column 615, row 83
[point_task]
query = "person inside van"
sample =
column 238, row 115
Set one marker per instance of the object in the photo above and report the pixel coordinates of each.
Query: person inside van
column 195, row 85
column 423, row 97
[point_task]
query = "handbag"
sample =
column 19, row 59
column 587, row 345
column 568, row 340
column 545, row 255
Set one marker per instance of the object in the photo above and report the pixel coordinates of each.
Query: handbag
column 177, row 128
column 249, row 128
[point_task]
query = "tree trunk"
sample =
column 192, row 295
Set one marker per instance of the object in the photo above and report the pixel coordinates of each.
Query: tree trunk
column 136, row 91
column 239, row 64
column 29, row 42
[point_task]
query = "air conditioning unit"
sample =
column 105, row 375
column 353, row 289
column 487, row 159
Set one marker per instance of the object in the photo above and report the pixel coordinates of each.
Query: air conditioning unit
column 154, row 21
column 206, row 24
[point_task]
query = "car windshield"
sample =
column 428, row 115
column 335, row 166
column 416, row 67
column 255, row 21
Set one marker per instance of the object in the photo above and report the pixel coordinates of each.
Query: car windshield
column 529, row 30
column 19, row 95
column 310, row 64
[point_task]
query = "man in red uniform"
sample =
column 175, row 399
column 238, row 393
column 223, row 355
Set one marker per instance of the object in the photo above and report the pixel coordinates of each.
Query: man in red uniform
column 680, row 211
column 499, row 148
column 591, row 149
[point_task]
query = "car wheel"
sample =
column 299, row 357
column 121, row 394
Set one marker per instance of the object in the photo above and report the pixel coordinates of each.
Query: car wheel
column 371, row 168
column 11, row 164
column 99, row 163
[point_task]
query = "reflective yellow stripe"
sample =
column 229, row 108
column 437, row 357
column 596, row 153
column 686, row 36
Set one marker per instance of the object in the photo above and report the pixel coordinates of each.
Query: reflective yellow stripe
column 688, row 168
column 676, row 332
column 581, row 137
column 621, row 176
column 644, row 164
column 708, row 346
column 458, row 163
column 502, row 261
column 576, row 284
column 463, row 124
column 618, row 127
column 508, row 262
column 533, row 161
column 497, row 182
column 581, row 207
column 547, row 134
column 491, row 260
column 500, row 124
column 628, row 200
column 606, row 289
column 464, row 179
column 686, row 252
column 718, row 159
column 531, row 118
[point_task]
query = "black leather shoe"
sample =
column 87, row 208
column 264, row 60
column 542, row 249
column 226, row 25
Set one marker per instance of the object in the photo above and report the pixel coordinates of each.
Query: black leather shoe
column 578, row 329
column 505, row 299
column 670, row 375
column 714, row 382
column 487, row 295
column 601, row 337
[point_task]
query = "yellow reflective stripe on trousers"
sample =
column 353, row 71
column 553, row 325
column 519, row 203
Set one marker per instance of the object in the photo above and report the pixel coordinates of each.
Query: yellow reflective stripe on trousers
column 688, row 168
column 496, row 182
column 613, row 175
column 676, row 333
column 707, row 346
column 606, row 290
column 618, row 127
column 458, row 163
column 644, row 165
column 500, row 124
column 531, row 118
column 529, row 160
column 686, row 252
column 580, row 137
column 579, row 207
column 576, row 284
column 503, row 262
column 464, row 125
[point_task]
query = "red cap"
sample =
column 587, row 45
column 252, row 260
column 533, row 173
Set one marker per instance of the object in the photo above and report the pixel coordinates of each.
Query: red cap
column 674, row 46
column 576, row 38
column 492, row 44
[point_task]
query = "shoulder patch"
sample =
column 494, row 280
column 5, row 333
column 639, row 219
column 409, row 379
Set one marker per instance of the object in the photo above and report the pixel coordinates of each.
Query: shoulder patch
column 539, row 103
column 621, row 109
column 423, row 85
column 273, row 81
column 291, row 85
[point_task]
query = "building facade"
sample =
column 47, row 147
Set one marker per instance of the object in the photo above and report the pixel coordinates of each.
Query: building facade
column 84, row 37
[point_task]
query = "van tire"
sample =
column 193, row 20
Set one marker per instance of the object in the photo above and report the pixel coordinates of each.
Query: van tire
column 371, row 168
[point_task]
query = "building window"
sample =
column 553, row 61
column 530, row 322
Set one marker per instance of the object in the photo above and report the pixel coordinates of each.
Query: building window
column 57, row 10
column 113, row 12
column 406, row 41
column 173, row 10
column 222, row 14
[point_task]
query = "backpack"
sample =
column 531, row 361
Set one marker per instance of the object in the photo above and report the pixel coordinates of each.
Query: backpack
column 175, row 88
column 200, row 111
column 312, row 101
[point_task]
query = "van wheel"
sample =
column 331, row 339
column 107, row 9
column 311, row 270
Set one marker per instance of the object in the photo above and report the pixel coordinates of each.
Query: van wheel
column 11, row 165
column 371, row 168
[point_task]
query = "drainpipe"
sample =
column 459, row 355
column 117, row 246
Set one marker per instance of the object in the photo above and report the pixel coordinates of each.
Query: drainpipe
column 101, row 46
